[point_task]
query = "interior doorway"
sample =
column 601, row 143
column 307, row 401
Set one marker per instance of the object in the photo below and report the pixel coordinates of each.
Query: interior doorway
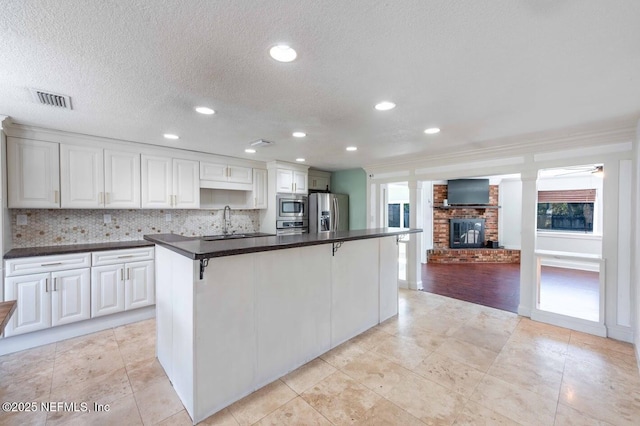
column 475, row 250
column 570, row 269
column 397, row 215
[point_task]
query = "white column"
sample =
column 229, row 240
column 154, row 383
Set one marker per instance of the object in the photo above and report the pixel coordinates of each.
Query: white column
column 528, row 265
column 414, row 247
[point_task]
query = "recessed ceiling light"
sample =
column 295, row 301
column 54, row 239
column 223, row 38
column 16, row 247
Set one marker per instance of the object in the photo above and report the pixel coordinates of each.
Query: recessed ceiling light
column 250, row 151
column 300, row 160
column 299, row 134
column 352, row 148
column 385, row 106
column 283, row 53
column 432, row 130
column 171, row 136
column 205, row 110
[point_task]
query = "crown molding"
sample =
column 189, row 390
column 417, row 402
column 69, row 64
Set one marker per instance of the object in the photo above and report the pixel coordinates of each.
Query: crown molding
column 569, row 139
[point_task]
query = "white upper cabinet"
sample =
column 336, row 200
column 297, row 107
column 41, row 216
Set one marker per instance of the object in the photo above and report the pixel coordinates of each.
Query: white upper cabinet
column 33, row 174
column 239, row 174
column 97, row 178
column 319, row 180
column 157, row 182
column 291, row 181
column 82, row 177
column 170, row 183
column 212, row 171
column 225, row 176
column 260, row 191
column 121, row 179
column 186, row 185
column 225, row 173
column 300, row 182
column 284, row 180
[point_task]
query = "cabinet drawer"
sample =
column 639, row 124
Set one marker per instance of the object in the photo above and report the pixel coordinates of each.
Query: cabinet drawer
column 112, row 257
column 38, row 264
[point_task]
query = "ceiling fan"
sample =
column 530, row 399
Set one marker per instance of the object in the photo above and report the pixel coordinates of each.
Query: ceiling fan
column 594, row 169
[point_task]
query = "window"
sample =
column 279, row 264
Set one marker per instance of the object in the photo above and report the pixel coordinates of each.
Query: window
column 396, row 218
column 568, row 210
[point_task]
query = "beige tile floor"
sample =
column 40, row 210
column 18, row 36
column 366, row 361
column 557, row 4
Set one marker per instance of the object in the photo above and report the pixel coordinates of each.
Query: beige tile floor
column 439, row 362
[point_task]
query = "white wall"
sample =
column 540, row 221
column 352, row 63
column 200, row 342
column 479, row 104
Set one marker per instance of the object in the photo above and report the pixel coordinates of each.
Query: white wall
column 510, row 213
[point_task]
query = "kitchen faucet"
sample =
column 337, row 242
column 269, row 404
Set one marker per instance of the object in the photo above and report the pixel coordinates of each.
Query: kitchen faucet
column 226, row 217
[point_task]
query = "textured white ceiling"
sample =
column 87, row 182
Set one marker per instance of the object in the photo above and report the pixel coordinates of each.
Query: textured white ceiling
column 483, row 71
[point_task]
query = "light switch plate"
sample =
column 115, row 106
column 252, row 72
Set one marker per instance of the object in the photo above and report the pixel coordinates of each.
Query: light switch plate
column 107, row 218
column 21, row 219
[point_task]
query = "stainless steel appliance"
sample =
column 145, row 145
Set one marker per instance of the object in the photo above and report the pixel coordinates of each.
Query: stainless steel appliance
column 291, row 207
column 328, row 212
column 292, row 227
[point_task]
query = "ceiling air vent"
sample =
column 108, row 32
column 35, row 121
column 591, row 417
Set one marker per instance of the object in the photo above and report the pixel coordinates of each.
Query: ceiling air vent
column 261, row 143
column 52, row 99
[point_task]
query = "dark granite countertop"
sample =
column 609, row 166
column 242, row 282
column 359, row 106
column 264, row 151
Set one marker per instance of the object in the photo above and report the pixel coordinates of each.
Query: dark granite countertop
column 73, row 248
column 196, row 248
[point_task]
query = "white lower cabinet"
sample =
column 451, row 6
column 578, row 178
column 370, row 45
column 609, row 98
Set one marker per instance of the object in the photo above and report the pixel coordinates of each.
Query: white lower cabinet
column 48, row 299
column 118, row 286
column 107, row 290
column 49, row 293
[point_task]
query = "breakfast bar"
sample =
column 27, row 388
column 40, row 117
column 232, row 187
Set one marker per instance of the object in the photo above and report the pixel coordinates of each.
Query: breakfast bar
column 235, row 314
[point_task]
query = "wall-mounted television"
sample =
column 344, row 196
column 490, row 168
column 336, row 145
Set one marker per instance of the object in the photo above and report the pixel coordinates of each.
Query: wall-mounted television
column 468, row 191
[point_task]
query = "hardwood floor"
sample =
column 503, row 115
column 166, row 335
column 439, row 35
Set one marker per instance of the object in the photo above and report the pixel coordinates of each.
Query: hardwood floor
column 490, row 284
column 564, row 291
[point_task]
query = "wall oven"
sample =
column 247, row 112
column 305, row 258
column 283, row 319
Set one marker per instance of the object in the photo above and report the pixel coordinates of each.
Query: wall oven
column 291, row 207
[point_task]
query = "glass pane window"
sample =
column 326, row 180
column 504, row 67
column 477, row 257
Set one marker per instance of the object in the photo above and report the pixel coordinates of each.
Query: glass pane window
column 406, row 216
column 394, row 215
column 577, row 217
column 398, row 214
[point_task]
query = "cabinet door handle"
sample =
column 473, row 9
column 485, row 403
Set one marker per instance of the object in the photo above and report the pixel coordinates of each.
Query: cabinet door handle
column 255, row 201
column 51, row 264
column 175, row 201
column 125, row 256
column 100, row 198
column 55, row 284
column 107, row 198
column 46, row 285
column 128, row 273
column 56, row 197
column 122, row 274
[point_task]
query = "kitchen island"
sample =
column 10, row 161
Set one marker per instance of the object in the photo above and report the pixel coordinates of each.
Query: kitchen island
column 234, row 315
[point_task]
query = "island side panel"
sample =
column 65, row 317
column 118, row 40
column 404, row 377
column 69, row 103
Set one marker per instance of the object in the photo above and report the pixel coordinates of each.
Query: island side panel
column 175, row 322
column 388, row 277
column 355, row 289
column 225, row 333
column 293, row 289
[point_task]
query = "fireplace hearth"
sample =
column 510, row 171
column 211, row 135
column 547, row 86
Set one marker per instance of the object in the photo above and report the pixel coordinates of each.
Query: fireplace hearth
column 466, row 233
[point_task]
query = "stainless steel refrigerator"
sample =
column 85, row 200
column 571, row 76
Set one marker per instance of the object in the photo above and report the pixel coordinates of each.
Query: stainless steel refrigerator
column 328, row 212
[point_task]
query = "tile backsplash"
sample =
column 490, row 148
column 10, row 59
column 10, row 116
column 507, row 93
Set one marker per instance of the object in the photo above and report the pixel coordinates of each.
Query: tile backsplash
column 55, row 227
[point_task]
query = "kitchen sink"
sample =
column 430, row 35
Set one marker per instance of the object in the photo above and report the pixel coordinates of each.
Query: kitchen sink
column 233, row 236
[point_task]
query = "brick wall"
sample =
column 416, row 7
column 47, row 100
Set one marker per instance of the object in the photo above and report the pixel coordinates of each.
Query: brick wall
column 441, row 252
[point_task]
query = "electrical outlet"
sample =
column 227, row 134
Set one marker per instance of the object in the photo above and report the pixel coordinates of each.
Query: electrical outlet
column 167, row 217
column 21, row 219
column 107, row 218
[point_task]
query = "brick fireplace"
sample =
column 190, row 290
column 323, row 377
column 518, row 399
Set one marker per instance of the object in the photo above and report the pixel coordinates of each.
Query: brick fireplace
column 444, row 216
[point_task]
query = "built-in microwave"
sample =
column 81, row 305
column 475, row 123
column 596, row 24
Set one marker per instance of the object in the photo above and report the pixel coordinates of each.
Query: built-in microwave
column 291, row 206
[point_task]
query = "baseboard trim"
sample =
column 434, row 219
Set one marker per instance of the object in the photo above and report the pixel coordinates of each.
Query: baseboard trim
column 524, row 311
column 55, row 334
column 617, row 332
